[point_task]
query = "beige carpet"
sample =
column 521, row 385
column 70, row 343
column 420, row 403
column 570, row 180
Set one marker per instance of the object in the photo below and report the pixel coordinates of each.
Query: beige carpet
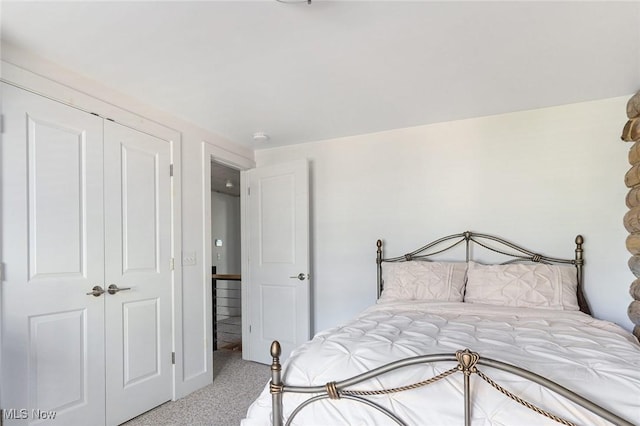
column 236, row 384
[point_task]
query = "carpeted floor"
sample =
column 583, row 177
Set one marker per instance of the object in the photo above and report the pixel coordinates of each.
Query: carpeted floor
column 236, row 383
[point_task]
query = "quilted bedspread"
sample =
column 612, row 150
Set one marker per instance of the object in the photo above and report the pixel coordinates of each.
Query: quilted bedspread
column 596, row 359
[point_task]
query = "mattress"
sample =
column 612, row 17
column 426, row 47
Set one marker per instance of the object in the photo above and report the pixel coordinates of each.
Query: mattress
column 596, row 359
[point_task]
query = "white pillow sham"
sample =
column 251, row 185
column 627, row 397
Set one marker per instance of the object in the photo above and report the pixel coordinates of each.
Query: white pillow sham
column 423, row 280
column 523, row 285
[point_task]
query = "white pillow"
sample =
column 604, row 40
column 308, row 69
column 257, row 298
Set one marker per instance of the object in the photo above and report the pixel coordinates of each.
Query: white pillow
column 523, row 285
column 423, row 280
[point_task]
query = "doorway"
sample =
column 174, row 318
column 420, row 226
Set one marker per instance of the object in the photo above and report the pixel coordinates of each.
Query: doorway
column 225, row 243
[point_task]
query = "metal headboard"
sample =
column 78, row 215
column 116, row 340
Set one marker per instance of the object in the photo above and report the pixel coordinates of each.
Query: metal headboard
column 515, row 252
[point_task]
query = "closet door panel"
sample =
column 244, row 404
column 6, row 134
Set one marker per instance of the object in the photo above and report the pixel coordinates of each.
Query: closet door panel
column 140, row 341
column 140, row 186
column 57, row 202
column 53, row 255
column 57, row 351
column 138, row 252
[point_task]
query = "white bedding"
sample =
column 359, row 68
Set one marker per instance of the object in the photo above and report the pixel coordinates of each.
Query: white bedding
column 593, row 358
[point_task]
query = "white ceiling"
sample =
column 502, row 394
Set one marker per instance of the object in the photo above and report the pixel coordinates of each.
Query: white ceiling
column 337, row 68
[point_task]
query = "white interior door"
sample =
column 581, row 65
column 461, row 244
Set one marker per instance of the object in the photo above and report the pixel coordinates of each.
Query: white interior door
column 137, row 258
column 52, row 255
column 278, row 286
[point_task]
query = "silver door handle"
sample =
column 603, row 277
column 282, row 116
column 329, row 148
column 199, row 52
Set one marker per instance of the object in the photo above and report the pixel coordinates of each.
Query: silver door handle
column 96, row 291
column 113, row 289
column 300, row 276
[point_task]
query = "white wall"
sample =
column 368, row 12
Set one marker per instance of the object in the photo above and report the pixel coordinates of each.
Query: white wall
column 538, row 178
column 225, row 226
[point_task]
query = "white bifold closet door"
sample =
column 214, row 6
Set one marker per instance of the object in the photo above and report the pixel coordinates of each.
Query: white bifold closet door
column 85, row 205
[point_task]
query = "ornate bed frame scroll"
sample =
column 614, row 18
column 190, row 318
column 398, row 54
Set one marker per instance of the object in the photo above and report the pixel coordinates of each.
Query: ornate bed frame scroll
column 467, row 364
column 514, row 253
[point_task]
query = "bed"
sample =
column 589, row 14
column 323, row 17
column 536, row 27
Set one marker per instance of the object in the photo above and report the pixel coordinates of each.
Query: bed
column 468, row 329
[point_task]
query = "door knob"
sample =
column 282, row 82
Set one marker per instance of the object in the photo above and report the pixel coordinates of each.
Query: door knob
column 96, row 291
column 113, row 289
column 300, row 276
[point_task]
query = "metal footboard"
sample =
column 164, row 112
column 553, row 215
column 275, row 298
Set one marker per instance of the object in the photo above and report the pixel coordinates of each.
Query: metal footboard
column 467, row 364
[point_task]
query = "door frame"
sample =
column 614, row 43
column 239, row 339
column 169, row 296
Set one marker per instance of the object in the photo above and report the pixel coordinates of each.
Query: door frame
column 211, row 153
column 59, row 92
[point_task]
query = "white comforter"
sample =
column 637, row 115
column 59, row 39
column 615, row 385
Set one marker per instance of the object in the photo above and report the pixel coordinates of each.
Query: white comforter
column 594, row 358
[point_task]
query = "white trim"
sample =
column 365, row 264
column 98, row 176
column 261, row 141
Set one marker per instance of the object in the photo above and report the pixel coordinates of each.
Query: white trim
column 176, row 232
column 206, row 249
column 227, row 158
column 247, row 348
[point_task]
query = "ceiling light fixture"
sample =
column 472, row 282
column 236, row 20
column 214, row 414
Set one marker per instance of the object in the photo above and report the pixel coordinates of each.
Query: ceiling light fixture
column 260, row 137
column 229, row 184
